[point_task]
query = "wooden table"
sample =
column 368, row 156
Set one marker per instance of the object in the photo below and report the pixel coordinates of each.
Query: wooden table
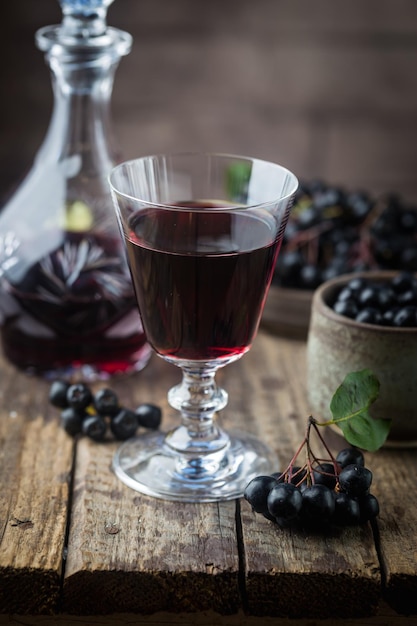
column 79, row 547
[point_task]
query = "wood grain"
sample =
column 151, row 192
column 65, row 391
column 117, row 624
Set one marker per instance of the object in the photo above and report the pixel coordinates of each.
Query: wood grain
column 396, row 488
column 128, row 552
column 35, row 466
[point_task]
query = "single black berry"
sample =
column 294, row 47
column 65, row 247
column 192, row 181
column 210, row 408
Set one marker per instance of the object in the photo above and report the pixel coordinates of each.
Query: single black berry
column 348, row 308
column 369, row 507
column 369, row 315
column 94, row 427
column 257, row 491
column 406, row 316
column 368, row 297
column 324, row 474
column 72, row 421
column 402, row 282
column 350, row 456
column 106, row 402
column 58, row 394
column 79, row 396
column 284, row 501
column 355, row 480
column 346, row 510
column 318, row 504
column 149, row 416
column 124, row 424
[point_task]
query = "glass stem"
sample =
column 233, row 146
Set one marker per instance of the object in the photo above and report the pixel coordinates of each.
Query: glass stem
column 198, row 398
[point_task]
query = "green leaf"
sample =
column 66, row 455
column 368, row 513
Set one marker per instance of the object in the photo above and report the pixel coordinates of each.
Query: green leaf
column 238, row 176
column 350, row 409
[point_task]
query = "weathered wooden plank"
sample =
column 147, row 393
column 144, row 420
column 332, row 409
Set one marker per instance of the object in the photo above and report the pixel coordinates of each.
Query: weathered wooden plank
column 35, row 465
column 128, row 552
column 396, row 488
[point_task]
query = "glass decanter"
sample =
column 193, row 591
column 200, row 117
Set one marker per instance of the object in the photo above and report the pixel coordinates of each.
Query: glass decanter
column 67, row 307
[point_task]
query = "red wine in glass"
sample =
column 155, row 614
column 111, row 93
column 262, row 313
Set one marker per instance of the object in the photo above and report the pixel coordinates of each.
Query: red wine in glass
column 200, row 278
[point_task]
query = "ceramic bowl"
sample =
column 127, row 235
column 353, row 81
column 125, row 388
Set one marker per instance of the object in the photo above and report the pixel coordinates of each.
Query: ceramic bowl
column 338, row 345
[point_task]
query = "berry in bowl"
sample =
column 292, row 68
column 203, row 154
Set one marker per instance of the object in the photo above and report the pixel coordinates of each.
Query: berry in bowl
column 367, row 320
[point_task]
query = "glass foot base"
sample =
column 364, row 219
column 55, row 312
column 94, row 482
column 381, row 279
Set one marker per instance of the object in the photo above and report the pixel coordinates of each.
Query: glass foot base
column 149, row 465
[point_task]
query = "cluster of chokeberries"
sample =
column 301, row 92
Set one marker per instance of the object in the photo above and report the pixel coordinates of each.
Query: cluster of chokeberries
column 322, row 492
column 332, row 231
column 98, row 414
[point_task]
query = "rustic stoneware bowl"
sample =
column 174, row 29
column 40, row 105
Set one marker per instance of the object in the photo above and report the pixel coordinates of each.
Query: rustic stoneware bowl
column 338, row 345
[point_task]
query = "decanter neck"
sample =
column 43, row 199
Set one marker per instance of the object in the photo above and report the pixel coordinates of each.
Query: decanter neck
column 82, row 79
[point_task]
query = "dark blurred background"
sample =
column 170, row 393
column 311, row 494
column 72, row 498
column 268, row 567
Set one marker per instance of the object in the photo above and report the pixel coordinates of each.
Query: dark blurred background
column 328, row 88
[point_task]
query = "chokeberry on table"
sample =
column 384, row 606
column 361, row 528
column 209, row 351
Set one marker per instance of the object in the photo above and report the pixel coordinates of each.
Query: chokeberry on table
column 355, row 480
column 324, row 494
column 99, row 414
column 106, row 402
column 79, row 396
column 72, row 421
column 149, row 416
column 58, row 394
column 94, row 427
column 257, row 491
column 350, row 456
column 318, row 489
column 124, row 424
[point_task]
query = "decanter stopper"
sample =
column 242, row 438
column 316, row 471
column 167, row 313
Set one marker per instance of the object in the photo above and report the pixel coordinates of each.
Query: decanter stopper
column 84, row 18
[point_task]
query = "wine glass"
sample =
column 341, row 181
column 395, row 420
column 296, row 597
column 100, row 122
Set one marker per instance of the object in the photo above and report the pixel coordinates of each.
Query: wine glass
column 202, row 234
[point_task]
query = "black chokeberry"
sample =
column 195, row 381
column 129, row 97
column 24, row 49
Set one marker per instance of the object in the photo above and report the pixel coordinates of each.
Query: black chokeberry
column 402, row 282
column 369, row 315
column 124, row 425
column 284, row 501
column 257, row 491
column 79, row 396
column 369, row 507
column 318, row 505
column 58, row 394
column 94, row 427
column 346, row 510
column 368, row 297
column 350, row 456
column 355, row 480
column 72, row 421
column 405, row 317
column 348, row 308
column 149, row 416
column 106, row 402
column 324, row 474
